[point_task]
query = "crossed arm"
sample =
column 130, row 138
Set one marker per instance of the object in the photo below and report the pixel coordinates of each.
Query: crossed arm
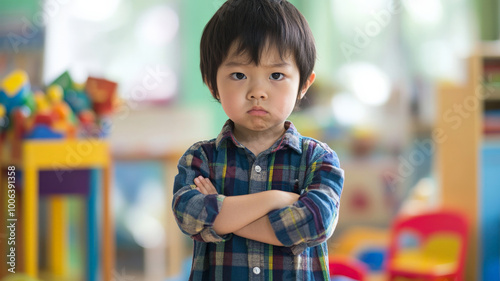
column 264, row 216
column 246, row 215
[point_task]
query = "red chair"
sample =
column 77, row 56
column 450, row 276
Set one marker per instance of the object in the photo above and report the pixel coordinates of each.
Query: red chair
column 340, row 266
column 438, row 249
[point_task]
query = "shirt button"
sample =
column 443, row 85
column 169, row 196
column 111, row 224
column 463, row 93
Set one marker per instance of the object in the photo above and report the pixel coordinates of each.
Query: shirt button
column 256, row 270
column 258, row 169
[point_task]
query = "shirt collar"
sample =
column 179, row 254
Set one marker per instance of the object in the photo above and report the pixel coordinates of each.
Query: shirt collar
column 291, row 138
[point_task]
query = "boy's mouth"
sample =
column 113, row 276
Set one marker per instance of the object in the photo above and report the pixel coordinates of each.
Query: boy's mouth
column 257, row 111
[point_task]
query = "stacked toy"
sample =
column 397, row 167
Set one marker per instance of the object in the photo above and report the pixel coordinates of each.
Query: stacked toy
column 64, row 110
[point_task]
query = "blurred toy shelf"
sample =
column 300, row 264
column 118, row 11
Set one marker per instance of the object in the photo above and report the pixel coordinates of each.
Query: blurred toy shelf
column 468, row 156
column 491, row 78
column 489, row 165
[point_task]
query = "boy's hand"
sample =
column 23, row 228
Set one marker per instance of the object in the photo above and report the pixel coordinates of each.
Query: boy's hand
column 240, row 211
column 204, row 185
column 282, row 198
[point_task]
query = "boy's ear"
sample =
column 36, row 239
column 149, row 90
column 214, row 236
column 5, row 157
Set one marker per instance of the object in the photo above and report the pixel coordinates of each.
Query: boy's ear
column 308, row 84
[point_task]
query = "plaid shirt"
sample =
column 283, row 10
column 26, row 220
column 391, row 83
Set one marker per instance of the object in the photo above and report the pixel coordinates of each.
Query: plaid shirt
column 294, row 164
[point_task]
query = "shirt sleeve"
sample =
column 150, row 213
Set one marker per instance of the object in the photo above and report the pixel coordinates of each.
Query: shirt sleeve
column 312, row 219
column 194, row 212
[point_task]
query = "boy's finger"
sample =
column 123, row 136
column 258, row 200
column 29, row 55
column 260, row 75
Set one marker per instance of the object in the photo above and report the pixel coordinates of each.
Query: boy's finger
column 205, row 185
column 199, row 186
column 199, row 181
column 210, row 186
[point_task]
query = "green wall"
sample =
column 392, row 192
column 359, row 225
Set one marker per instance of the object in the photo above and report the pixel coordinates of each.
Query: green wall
column 488, row 12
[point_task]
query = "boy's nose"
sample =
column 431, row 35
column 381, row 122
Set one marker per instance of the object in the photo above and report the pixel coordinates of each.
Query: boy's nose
column 257, row 91
column 258, row 96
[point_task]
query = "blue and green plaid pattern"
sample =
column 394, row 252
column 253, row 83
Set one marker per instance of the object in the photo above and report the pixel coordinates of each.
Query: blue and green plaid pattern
column 294, row 164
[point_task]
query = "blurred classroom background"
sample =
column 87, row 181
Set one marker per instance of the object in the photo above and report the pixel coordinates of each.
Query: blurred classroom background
column 407, row 93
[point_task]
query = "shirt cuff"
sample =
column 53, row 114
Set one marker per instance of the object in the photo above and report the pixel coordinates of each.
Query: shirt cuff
column 297, row 249
column 284, row 228
column 213, row 204
column 283, row 235
column 208, row 235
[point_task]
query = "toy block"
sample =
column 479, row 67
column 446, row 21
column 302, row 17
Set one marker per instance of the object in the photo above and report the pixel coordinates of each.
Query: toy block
column 65, row 128
column 55, row 93
column 64, row 80
column 86, row 117
column 102, row 94
column 13, row 89
column 77, row 100
column 41, row 103
column 29, row 101
column 42, row 131
column 43, row 118
column 60, row 109
column 19, row 117
column 43, row 114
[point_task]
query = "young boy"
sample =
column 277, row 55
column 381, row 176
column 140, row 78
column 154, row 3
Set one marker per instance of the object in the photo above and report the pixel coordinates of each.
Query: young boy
column 260, row 200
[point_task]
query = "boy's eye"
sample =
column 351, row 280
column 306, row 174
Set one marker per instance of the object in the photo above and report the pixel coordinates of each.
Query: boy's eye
column 238, row 76
column 276, row 76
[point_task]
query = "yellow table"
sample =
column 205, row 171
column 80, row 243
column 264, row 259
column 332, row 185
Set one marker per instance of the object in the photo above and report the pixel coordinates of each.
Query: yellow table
column 61, row 155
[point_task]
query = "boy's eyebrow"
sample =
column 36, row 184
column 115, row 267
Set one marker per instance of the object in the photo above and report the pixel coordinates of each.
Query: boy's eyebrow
column 277, row 64
column 234, row 63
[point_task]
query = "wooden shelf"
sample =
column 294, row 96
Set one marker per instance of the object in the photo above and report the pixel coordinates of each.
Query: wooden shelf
column 490, row 49
column 493, row 93
column 457, row 155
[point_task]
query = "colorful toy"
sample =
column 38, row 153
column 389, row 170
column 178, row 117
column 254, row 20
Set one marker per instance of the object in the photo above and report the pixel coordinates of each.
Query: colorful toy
column 14, row 89
column 43, row 120
column 102, row 94
column 77, row 100
column 42, row 113
column 86, row 117
column 64, row 80
column 43, row 132
column 365, row 244
column 440, row 250
column 74, row 94
column 53, row 117
column 61, row 112
column 345, row 267
column 29, row 101
column 67, row 110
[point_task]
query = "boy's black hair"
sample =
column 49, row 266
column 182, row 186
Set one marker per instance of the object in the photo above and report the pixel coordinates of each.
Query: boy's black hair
column 254, row 24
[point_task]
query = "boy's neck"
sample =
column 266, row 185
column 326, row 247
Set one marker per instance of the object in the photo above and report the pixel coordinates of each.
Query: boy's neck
column 258, row 141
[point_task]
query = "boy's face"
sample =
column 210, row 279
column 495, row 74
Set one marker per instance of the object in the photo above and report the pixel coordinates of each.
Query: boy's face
column 259, row 98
